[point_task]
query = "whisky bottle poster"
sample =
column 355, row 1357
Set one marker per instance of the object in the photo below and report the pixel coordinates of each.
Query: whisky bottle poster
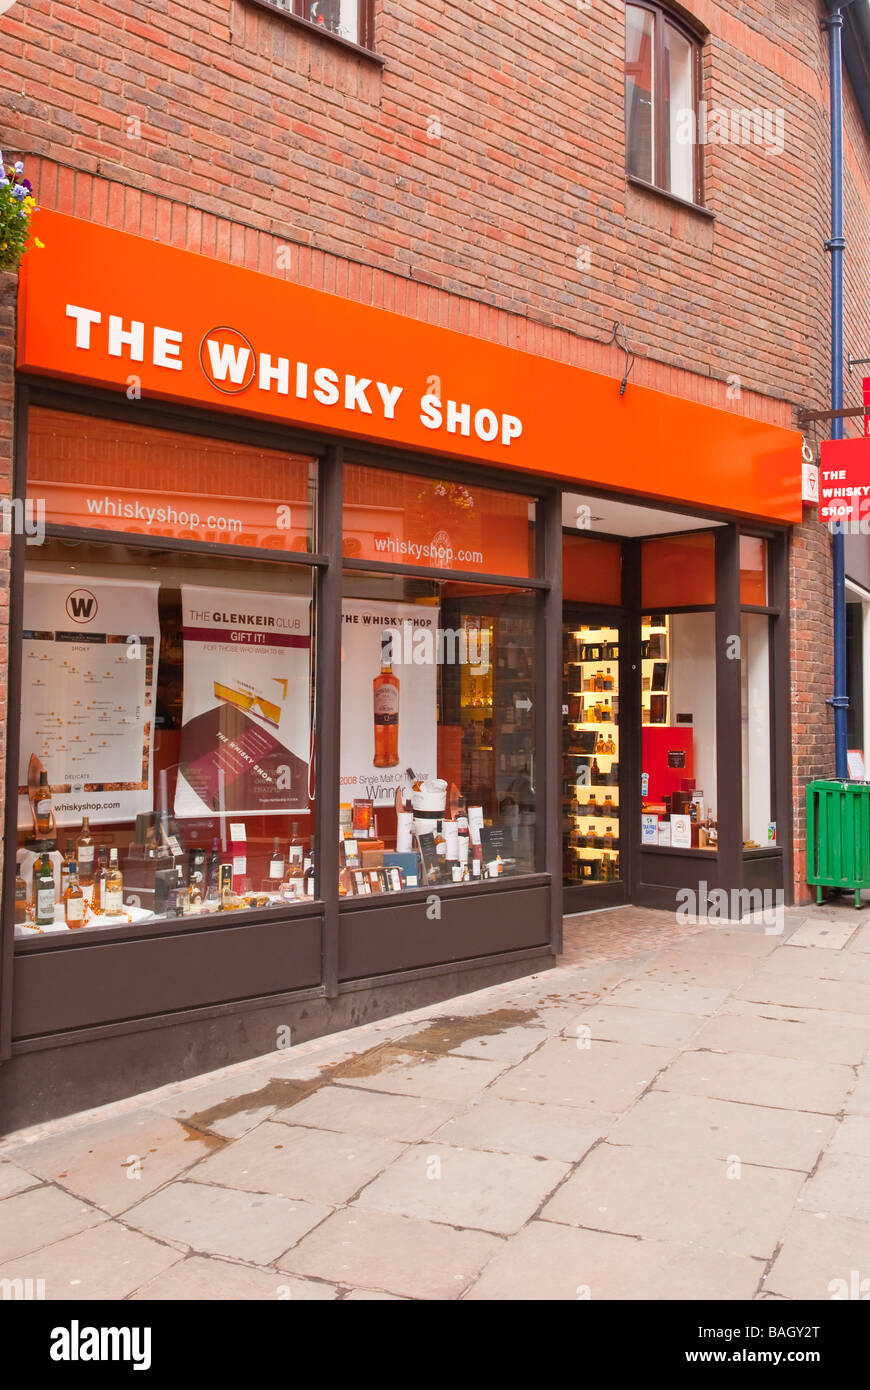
column 246, row 715
column 89, row 652
column 400, row 699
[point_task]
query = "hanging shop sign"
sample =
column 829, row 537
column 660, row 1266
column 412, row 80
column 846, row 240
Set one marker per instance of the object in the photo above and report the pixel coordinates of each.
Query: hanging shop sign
column 111, row 309
column 844, row 480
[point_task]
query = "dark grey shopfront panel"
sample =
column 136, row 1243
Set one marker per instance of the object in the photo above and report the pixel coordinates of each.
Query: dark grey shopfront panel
column 382, row 940
column 83, row 986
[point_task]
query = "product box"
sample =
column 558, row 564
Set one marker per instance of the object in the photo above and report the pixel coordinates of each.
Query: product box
column 372, row 854
column 406, row 863
column 681, row 832
column 649, row 830
column 664, row 832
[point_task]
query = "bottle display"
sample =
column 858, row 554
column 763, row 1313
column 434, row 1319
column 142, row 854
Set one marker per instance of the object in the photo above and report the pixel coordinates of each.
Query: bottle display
column 590, row 753
column 385, row 701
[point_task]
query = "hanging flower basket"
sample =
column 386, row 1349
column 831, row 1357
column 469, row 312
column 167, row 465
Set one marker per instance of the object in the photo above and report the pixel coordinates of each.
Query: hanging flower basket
column 17, row 205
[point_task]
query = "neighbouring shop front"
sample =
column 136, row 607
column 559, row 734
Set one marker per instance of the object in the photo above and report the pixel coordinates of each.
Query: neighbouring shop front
column 350, row 652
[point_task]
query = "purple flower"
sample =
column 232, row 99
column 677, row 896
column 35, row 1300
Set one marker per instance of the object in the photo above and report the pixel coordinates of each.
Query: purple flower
column 19, row 166
column 25, row 183
column 19, row 192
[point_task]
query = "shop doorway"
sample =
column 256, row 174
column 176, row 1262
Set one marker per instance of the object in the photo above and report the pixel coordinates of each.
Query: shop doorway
column 595, row 869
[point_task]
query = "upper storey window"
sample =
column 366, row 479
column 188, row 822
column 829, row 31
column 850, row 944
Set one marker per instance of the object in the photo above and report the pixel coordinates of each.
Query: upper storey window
column 346, row 19
column 662, row 81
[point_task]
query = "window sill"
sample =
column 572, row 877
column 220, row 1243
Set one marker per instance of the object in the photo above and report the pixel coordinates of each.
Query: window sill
column 322, row 33
column 670, row 197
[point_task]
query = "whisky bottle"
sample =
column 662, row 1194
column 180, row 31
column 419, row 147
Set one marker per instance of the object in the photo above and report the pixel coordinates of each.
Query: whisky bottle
column 385, row 699
column 85, row 854
column 296, row 857
column 113, row 891
column 41, row 804
column 74, row 899
column 43, row 891
column 100, row 880
column 20, row 899
column 276, row 863
column 607, row 682
column 68, row 858
column 601, row 744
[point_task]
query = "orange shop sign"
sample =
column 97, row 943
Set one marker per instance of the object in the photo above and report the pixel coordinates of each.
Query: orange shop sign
column 111, row 309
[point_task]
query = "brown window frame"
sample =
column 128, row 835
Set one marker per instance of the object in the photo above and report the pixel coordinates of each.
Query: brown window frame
column 662, row 15
column 297, row 12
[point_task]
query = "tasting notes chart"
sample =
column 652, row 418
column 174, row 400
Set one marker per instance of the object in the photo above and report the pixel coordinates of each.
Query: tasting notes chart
column 87, row 698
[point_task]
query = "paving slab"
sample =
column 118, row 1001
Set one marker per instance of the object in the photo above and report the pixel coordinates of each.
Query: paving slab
column 116, row 1162
column 740, row 941
column 360, row 1111
column 464, row 1187
column 781, row 1082
column 820, row 1257
column 105, row 1262
column 816, row 964
column 673, row 998
column 840, row 1186
column 257, row 1227
column 391, row 1254
column 315, row 1165
column 523, row 1127
column 822, row 934
column 39, row 1217
column 852, row 1136
column 706, row 969
column 14, row 1179
column 795, row 1013
column 231, row 1106
column 771, row 987
column 687, row 1199
column 604, row 1076
column 372, row 1296
column 413, row 1073
column 861, row 941
column 677, row 1123
column 771, row 1037
column 199, row 1278
column 552, row 1262
column 858, row 1099
column 615, row 1023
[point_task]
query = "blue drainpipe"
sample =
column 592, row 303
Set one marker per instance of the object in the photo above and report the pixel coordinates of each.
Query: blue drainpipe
column 837, row 245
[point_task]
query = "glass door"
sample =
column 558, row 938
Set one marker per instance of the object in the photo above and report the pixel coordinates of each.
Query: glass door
column 591, row 840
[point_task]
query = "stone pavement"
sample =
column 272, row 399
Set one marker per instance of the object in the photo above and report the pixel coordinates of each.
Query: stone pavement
column 677, row 1112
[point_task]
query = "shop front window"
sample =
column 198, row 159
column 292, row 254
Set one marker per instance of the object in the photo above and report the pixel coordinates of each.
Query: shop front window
column 436, row 522
column 165, row 751
column 678, row 731
column 438, row 774
column 590, row 753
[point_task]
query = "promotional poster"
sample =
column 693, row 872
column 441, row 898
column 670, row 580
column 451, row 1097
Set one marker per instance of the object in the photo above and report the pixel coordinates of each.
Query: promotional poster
column 388, row 718
column 246, row 724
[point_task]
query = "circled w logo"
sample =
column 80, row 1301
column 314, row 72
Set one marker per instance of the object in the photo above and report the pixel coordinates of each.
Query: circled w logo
column 228, row 360
column 81, row 606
